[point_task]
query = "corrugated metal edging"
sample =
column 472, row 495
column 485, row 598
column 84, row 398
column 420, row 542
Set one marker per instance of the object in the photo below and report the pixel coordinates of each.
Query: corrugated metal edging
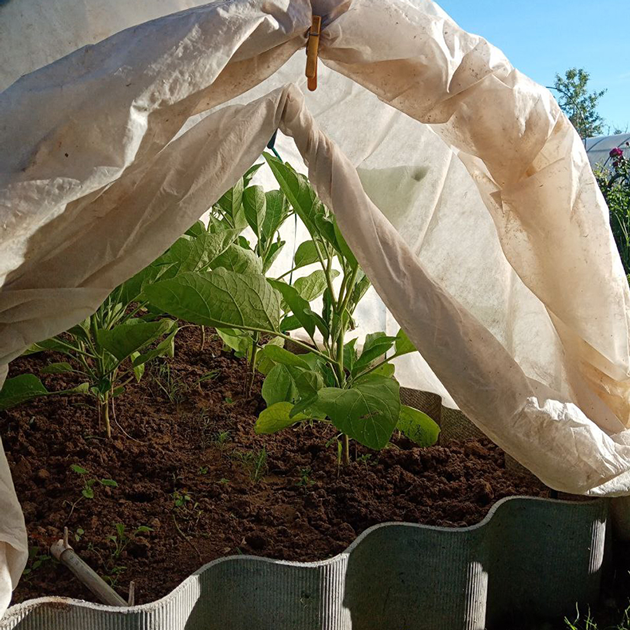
column 528, row 556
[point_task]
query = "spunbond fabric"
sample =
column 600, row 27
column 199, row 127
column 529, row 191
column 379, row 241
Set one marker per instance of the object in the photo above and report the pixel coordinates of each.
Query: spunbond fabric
column 483, row 172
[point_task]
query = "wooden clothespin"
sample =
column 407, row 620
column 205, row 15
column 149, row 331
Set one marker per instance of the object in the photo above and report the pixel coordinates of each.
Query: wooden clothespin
column 312, row 50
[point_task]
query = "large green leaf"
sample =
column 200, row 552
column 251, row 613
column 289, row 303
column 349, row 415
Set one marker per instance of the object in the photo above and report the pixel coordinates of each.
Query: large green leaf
column 220, row 298
column 20, row 389
column 231, row 205
column 299, row 306
column 312, row 286
column 196, row 254
column 276, row 418
column 277, row 210
column 368, row 412
column 403, row 343
column 255, row 207
column 238, row 259
column 417, row 426
column 280, row 385
column 306, row 254
column 130, row 337
column 298, row 191
column 375, row 346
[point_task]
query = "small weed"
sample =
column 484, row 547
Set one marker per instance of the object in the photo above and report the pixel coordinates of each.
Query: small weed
column 364, row 459
column 222, row 439
column 35, row 560
column 89, row 484
column 306, row 481
column 228, row 400
column 203, row 470
column 255, row 463
column 588, row 623
column 224, row 481
column 78, row 534
column 170, row 384
column 119, row 541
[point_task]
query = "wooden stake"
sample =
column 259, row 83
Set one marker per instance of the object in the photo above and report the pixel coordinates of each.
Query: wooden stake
column 312, row 51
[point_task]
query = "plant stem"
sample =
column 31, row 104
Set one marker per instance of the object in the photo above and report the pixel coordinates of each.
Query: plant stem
column 203, row 338
column 104, row 413
column 346, row 449
column 252, row 365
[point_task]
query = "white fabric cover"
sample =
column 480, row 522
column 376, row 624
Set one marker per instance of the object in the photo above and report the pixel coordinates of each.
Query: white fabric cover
column 464, row 192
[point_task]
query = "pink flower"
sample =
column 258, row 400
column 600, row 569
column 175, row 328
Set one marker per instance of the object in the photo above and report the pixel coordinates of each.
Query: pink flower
column 616, row 153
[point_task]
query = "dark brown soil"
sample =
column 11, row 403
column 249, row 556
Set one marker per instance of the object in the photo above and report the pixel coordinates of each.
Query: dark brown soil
column 189, row 466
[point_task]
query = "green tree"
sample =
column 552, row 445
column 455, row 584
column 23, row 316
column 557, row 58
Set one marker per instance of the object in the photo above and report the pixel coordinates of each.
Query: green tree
column 578, row 103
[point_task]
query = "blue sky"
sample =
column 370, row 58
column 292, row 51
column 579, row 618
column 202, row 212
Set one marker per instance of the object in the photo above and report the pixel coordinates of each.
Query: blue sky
column 542, row 37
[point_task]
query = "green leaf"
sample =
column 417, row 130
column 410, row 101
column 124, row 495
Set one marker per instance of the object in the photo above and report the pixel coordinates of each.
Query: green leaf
column 284, row 357
column 272, row 254
column 368, row 412
column 279, row 386
column 197, row 229
column 277, row 211
column 237, row 340
column 276, row 418
column 236, row 258
column 78, row 469
column 83, row 388
column 297, row 190
column 346, row 252
column 110, row 483
column 255, row 207
column 57, row 368
column 19, row 389
column 143, row 529
column 220, row 298
column 127, row 338
column 88, row 492
column 417, row 426
column 289, row 323
column 249, row 174
column 312, row 286
column 131, row 290
column 138, row 370
column 308, row 383
column 360, row 289
column 349, row 354
column 298, row 305
column 231, row 205
column 306, row 254
column 166, row 348
column 386, row 369
column 375, row 346
column 197, row 254
column 42, row 346
column 403, row 343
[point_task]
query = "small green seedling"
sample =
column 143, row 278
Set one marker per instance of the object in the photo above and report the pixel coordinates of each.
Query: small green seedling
column 255, row 463
column 305, row 478
column 90, row 482
column 35, row 560
column 121, row 539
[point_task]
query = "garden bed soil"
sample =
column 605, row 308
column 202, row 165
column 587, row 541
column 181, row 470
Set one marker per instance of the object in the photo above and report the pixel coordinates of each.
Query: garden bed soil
column 188, row 465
